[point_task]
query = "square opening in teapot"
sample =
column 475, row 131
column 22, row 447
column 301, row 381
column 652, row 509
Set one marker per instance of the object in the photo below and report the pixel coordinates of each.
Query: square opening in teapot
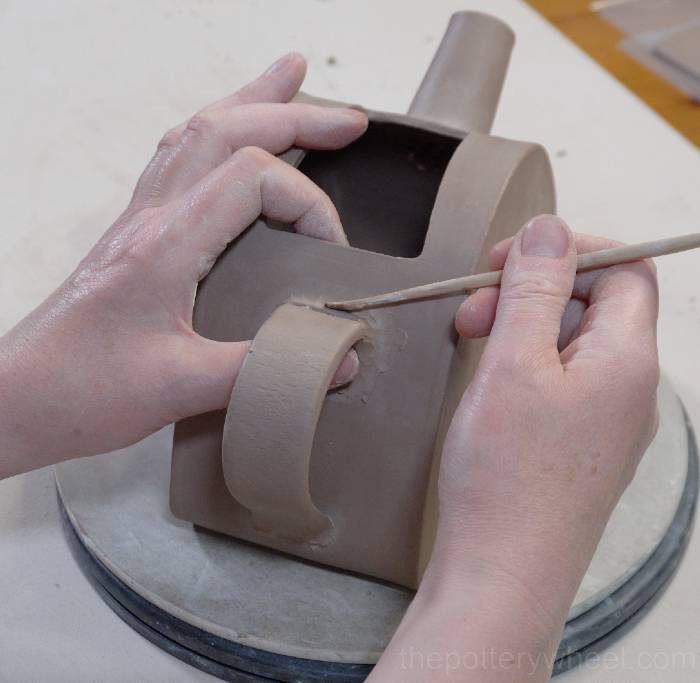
column 384, row 185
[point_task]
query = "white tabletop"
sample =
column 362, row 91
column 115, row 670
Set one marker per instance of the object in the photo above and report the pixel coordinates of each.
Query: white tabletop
column 88, row 88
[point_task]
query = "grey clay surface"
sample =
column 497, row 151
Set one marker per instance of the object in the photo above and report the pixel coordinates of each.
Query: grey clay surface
column 420, row 201
column 118, row 504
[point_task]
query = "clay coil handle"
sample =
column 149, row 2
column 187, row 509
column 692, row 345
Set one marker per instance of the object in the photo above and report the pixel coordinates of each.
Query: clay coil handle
column 273, row 413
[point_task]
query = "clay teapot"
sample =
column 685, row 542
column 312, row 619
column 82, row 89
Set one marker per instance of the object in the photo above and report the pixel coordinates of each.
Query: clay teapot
column 347, row 477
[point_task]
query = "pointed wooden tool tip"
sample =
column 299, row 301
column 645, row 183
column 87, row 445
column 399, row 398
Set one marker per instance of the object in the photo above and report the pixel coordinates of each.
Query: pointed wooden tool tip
column 342, row 306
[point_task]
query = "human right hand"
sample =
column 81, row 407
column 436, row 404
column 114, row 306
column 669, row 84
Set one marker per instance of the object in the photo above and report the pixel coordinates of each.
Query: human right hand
column 545, row 440
column 563, row 404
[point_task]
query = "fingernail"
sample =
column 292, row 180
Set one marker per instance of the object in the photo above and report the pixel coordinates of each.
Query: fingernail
column 356, row 116
column 545, row 236
column 347, row 369
column 279, row 64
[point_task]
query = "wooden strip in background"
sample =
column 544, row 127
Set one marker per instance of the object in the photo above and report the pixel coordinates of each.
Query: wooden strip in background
column 600, row 40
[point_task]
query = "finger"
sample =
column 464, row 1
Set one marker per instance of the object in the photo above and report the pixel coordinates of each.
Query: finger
column 620, row 320
column 278, row 84
column 209, row 369
column 570, row 322
column 213, row 136
column 202, row 222
column 477, row 313
column 536, row 285
column 585, row 281
column 584, row 244
column 346, row 370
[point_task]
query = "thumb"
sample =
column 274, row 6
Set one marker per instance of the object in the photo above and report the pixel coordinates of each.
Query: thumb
column 536, row 285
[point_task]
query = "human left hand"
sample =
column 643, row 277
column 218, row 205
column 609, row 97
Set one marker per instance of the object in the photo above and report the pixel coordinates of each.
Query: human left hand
column 111, row 356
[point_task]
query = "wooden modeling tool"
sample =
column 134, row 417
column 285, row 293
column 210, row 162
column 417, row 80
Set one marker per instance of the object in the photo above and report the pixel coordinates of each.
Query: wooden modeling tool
column 461, row 285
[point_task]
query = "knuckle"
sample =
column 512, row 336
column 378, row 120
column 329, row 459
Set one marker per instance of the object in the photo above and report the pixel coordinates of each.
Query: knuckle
column 646, row 269
column 199, row 126
column 651, row 265
column 169, row 140
column 641, row 274
column 533, row 287
column 255, row 156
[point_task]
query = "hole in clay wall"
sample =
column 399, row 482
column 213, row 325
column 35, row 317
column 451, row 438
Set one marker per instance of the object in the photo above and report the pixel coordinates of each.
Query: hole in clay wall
column 384, row 185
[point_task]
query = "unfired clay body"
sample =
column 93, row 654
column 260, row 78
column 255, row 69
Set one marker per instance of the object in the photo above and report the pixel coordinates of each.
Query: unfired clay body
column 347, row 478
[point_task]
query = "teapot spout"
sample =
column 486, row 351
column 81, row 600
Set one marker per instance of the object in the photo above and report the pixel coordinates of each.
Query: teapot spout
column 463, row 83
